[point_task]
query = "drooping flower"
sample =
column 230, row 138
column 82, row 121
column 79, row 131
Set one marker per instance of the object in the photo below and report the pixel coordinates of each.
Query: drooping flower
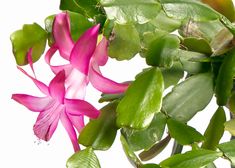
column 85, row 57
column 54, row 107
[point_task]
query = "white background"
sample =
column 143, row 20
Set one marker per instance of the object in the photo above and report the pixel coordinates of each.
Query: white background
column 18, row 145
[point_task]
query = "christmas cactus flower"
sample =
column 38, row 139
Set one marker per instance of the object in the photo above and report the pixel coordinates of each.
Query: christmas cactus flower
column 54, row 107
column 84, row 57
column 189, row 51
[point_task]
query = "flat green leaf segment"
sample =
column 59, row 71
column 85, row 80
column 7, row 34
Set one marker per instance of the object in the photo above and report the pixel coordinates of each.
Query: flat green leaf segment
column 215, row 130
column 129, row 153
column 126, row 42
column 185, row 9
column 30, row 36
column 189, row 97
column 88, row 8
column 224, row 82
column 83, row 159
column 142, row 100
column 150, row 166
column 182, row 133
column 144, row 139
column 192, row 159
column 228, row 149
column 123, row 11
column 101, row 132
column 230, row 126
column 161, row 51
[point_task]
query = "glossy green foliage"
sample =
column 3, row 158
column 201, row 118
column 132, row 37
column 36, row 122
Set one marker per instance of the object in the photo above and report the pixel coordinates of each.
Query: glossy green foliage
column 91, row 8
column 142, row 100
column 172, row 75
column 48, row 27
column 70, row 5
column 110, row 97
column 155, row 149
column 225, row 7
column 198, row 45
column 228, row 149
column 30, row 36
column 88, row 8
column 192, row 159
column 224, row 82
column 123, row 11
column 129, row 153
column 182, row 133
column 162, row 51
column 230, row 126
column 123, row 47
column 101, row 132
column 83, row 159
column 187, row 59
column 231, row 103
column 215, row 130
column 189, row 97
column 185, row 9
column 144, row 139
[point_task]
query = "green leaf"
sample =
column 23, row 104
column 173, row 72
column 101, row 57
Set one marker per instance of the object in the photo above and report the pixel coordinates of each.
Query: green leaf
column 192, row 159
column 228, row 149
column 193, row 67
column 123, row 47
column 189, row 97
column 78, row 25
column 230, row 126
column 91, row 8
column 110, row 97
column 182, row 133
column 231, row 103
column 198, row 45
column 124, row 11
column 224, row 81
column 172, row 75
column 101, row 132
column 71, row 5
column 185, row 9
column 142, row 100
column 134, row 160
column 161, row 51
column 48, row 27
column 30, row 36
column 83, row 159
column 225, row 7
column 144, row 139
column 150, row 165
column 215, row 130
column 155, row 149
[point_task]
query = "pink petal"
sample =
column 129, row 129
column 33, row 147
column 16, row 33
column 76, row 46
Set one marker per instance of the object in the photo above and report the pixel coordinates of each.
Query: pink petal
column 56, row 69
column 84, row 49
column 56, row 87
column 76, row 83
column 104, row 84
column 36, row 104
column 70, row 130
column 30, row 60
column 42, row 87
column 62, row 36
column 77, row 121
column 78, row 107
column 47, row 121
column 101, row 52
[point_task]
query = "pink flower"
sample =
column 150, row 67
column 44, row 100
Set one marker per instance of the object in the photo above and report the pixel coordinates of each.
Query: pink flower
column 85, row 57
column 54, row 107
